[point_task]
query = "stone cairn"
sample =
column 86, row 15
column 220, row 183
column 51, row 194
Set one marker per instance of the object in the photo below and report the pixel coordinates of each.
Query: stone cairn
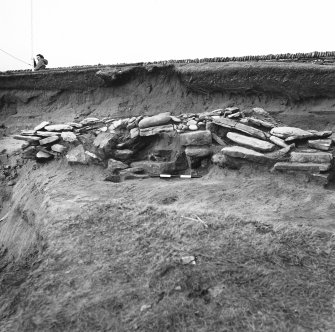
column 132, row 147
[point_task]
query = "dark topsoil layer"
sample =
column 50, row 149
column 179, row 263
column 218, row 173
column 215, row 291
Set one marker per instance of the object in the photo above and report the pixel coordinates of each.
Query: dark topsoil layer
column 301, row 94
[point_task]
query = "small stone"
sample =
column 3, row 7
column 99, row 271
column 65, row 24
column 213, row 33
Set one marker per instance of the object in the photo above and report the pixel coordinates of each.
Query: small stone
column 193, row 127
column 41, row 125
column 145, row 307
column 118, row 124
column 234, row 115
column 68, row 137
column 188, row 260
column 43, row 155
column 103, row 129
column 58, row 148
column 134, row 132
column 260, row 111
column 89, row 121
column 11, row 183
column 321, row 144
column 175, row 119
column 58, row 127
column 49, row 140
column 93, row 156
column 218, row 140
column 178, row 288
column 231, row 110
column 191, row 122
column 219, row 159
column 155, row 120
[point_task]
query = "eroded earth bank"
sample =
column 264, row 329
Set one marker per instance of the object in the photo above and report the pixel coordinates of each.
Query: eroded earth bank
column 92, row 239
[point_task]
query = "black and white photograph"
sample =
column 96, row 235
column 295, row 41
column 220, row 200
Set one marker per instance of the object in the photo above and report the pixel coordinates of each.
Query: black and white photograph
column 167, row 166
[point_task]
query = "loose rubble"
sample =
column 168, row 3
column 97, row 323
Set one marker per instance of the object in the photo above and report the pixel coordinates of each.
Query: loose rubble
column 142, row 146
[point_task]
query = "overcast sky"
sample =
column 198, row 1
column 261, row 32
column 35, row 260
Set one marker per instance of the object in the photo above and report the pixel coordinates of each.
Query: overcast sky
column 88, row 32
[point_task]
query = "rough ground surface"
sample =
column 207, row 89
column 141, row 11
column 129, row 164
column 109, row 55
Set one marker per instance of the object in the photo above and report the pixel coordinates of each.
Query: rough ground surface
column 101, row 251
column 81, row 254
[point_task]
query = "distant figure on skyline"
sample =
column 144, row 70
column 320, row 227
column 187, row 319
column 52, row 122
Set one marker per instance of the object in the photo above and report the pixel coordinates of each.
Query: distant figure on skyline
column 41, row 62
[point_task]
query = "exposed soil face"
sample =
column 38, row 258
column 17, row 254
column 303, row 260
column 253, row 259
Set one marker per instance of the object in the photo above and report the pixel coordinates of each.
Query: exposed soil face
column 81, row 254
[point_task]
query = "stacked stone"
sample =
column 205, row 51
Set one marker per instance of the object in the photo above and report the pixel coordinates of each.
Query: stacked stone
column 230, row 137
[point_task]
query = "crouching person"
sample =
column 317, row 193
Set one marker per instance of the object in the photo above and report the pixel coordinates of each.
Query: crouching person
column 41, row 62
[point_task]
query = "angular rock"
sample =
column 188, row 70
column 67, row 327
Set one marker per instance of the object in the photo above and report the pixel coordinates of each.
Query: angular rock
column 68, row 136
column 49, row 140
column 155, row 120
column 58, row 148
column 317, row 157
column 41, row 125
column 260, row 111
column 150, row 131
column 201, row 137
column 106, row 141
column 92, row 157
column 231, row 110
column 285, row 132
column 219, row 159
column 234, row 115
column 50, row 133
column 118, row 124
column 251, row 142
column 278, row 141
column 77, row 155
column 198, row 151
column 228, row 123
column 244, row 153
column 89, row 121
column 321, row 144
column 58, row 127
column 191, row 122
column 261, row 123
column 132, row 170
column 175, row 119
column 115, row 165
column 309, row 167
column 321, row 134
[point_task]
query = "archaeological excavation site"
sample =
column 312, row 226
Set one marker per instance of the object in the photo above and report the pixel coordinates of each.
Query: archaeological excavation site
column 192, row 195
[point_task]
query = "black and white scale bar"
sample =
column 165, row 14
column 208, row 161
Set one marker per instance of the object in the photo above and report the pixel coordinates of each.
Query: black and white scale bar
column 187, row 176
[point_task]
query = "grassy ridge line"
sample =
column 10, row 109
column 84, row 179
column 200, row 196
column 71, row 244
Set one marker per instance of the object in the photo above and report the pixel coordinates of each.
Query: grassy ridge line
column 328, row 55
column 103, row 266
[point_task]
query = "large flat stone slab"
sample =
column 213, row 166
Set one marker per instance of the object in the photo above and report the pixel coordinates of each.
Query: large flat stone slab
column 41, row 125
column 155, row 120
column 151, row 131
column 317, row 157
column 30, row 139
column 228, row 123
column 285, row 132
column 49, row 140
column 106, row 140
column 200, row 137
column 58, row 127
column 278, row 141
column 244, row 153
column 304, row 167
column 260, row 123
column 251, row 142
